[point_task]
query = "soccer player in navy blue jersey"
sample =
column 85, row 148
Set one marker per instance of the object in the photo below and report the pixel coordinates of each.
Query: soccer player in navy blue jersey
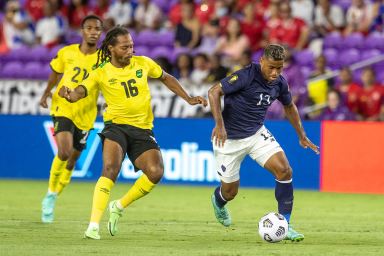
column 239, row 131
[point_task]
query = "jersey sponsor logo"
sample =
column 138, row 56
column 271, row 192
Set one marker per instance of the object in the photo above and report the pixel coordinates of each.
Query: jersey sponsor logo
column 112, row 81
column 233, row 79
column 139, row 73
column 86, row 157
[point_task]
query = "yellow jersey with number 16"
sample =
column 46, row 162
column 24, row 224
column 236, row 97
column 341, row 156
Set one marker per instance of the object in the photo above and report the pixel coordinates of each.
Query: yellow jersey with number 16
column 75, row 67
column 126, row 91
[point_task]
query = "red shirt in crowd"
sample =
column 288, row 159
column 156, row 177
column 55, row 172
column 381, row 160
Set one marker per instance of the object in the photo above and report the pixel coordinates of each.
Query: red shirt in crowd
column 287, row 32
column 370, row 101
column 350, row 95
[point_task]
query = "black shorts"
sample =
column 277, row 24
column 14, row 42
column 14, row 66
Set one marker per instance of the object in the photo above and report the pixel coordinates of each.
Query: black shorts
column 134, row 141
column 63, row 124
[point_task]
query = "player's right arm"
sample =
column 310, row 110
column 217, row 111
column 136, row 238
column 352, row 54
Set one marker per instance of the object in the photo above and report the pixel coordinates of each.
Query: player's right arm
column 73, row 95
column 219, row 134
column 53, row 79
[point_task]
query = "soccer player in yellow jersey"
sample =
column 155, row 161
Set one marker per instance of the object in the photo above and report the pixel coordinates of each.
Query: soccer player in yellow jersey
column 122, row 79
column 72, row 122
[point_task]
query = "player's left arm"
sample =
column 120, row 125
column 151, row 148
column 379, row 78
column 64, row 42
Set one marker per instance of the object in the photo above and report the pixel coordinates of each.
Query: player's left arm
column 293, row 116
column 174, row 85
column 73, row 95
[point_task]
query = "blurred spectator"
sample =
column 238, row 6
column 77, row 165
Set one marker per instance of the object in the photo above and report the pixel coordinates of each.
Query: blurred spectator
column 121, row 12
column 378, row 16
column 216, row 70
column 204, row 11
column 35, row 8
column 259, row 6
column 245, row 60
column 359, row 17
column 233, row 43
column 174, row 14
column 164, row 63
column 272, row 17
column 50, row 29
column 289, row 30
column 188, row 30
column 319, row 83
column 348, row 89
column 16, row 26
column 328, row 17
column 335, row 109
column 77, row 10
column 303, row 9
column 183, row 68
column 147, row 15
column 253, row 27
column 371, row 98
column 210, row 36
column 200, row 69
column 102, row 8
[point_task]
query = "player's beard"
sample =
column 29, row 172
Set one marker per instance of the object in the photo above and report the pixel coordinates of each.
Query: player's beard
column 124, row 61
column 91, row 45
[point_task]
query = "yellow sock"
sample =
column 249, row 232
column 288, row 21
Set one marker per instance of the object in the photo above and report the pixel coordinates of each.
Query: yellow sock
column 141, row 187
column 57, row 168
column 64, row 180
column 100, row 198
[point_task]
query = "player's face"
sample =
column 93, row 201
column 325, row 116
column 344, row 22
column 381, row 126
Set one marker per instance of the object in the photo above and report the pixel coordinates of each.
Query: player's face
column 271, row 69
column 122, row 51
column 91, row 31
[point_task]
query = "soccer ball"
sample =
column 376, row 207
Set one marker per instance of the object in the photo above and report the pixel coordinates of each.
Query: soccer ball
column 273, row 227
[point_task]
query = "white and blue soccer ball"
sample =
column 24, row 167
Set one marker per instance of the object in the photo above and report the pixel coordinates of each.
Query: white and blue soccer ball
column 273, row 227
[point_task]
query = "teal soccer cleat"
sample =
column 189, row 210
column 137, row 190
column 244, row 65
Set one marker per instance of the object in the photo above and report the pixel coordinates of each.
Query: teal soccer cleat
column 222, row 214
column 48, row 206
column 114, row 216
column 293, row 235
column 92, row 233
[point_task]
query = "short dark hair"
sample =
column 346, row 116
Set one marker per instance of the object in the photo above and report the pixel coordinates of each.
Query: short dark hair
column 274, row 52
column 91, row 17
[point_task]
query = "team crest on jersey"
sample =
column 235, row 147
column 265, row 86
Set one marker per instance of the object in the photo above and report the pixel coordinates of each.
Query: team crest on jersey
column 233, row 79
column 86, row 157
column 139, row 73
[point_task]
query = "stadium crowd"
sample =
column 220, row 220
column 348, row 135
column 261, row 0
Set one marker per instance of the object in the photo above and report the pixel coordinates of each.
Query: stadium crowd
column 202, row 41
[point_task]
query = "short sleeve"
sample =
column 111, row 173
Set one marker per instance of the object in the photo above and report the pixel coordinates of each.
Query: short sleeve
column 57, row 64
column 237, row 80
column 154, row 70
column 285, row 96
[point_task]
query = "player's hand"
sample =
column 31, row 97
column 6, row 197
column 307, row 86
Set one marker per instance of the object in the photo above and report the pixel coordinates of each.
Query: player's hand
column 197, row 100
column 306, row 143
column 43, row 100
column 219, row 135
column 64, row 92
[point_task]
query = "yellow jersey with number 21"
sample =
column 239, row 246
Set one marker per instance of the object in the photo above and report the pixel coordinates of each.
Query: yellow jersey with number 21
column 75, row 67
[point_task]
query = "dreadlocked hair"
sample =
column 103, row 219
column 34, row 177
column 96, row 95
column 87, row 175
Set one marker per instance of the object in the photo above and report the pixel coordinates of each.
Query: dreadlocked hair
column 104, row 55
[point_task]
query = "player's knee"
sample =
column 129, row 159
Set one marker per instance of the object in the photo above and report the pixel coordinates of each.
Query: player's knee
column 111, row 170
column 64, row 153
column 70, row 165
column 284, row 173
column 155, row 173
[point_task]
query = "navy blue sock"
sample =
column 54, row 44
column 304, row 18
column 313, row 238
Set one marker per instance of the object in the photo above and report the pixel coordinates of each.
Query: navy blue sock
column 220, row 201
column 284, row 197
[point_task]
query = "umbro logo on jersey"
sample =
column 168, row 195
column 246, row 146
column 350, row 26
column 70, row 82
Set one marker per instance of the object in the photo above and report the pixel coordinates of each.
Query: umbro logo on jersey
column 112, row 81
column 139, row 73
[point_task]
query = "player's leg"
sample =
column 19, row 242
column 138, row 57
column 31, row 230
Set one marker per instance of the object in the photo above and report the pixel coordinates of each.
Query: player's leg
column 279, row 166
column 228, row 159
column 64, row 140
column 146, row 156
column 79, row 144
column 112, row 158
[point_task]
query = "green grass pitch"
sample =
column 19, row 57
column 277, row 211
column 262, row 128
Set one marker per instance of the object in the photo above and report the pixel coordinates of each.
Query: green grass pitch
column 178, row 220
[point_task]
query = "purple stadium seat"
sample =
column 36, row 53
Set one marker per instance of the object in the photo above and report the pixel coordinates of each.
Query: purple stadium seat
column 39, row 53
column 357, row 75
column 17, row 54
column 344, row 4
column 332, row 58
column 374, row 41
column 306, row 71
column 53, row 51
column 146, row 38
column 370, row 54
column 164, row 5
column 355, row 40
column 349, row 57
column 304, row 58
column 380, row 76
column 179, row 50
column 73, row 37
column 333, row 40
column 13, row 69
column 32, row 70
column 257, row 55
column 379, row 69
column 166, row 38
column 141, row 50
column 161, row 51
